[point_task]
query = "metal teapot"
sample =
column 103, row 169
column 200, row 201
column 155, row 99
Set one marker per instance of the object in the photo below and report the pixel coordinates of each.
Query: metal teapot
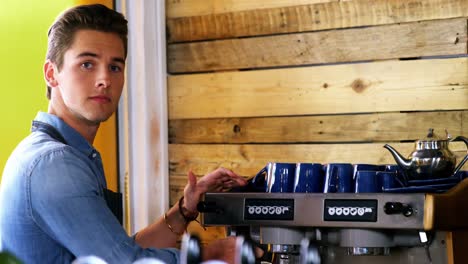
column 430, row 159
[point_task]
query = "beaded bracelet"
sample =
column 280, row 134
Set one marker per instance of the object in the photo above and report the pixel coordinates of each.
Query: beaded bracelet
column 181, row 211
column 170, row 227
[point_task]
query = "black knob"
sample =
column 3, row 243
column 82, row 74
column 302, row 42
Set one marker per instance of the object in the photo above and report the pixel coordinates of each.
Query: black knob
column 398, row 208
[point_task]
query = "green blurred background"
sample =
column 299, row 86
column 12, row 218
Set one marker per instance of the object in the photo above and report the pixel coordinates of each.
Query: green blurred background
column 23, row 43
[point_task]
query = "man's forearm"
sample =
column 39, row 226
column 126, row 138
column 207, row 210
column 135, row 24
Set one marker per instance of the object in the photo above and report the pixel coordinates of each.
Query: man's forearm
column 159, row 234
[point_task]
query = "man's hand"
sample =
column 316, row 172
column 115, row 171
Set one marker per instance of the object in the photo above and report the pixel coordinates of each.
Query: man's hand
column 217, row 181
column 225, row 250
column 221, row 249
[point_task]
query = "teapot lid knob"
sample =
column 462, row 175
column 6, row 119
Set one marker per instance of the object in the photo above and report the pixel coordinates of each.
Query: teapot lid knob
column 448, row 134
column 433, row 136
column 430, row 134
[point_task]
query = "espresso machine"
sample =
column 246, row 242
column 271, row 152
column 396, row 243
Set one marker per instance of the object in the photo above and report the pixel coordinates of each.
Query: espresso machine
column 418, row 223
column 349, row 227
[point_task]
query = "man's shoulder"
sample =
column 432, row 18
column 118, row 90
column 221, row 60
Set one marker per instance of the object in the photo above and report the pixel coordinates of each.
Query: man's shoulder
column 39, row 146
column 40, row 158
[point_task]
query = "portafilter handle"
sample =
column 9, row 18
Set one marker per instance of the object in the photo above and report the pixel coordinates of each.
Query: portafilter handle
column 191, row 250
column 309, row 253
column 245, row 251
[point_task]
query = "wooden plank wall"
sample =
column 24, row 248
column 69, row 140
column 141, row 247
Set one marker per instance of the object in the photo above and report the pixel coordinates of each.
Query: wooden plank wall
column 310, row 81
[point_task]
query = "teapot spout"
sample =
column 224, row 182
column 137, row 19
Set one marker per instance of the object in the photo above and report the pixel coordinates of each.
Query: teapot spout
column 404, row 164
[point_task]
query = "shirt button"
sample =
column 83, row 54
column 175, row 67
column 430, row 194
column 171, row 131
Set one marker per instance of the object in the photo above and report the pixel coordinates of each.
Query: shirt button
column 94, row 155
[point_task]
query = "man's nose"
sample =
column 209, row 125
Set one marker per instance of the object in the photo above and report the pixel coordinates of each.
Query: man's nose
column 104, row 78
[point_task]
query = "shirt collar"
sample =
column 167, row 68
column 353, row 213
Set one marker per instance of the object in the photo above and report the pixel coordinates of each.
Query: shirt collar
column 70, row 135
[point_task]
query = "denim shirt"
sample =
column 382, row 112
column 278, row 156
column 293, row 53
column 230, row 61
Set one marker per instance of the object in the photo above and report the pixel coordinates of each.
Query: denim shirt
column 52, row 206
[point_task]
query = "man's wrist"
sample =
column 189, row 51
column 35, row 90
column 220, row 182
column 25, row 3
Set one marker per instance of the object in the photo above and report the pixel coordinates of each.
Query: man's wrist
column 188, row 215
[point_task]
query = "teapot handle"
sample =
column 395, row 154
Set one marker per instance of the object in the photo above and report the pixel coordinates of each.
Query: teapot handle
column 261, row 173
column 460, row 165
column 260, row 180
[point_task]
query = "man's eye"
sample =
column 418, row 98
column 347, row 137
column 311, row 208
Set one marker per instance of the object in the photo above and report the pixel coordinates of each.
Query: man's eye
column 115, row 68
column 87, row 65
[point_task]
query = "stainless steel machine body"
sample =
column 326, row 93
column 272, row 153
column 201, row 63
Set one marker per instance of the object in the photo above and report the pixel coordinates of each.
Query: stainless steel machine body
column 346, row 227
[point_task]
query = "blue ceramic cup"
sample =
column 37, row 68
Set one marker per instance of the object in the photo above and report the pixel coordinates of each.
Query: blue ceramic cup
column 399, row 173
column 309, row 178
column 276, row 177
column 367, row 182
column 376, row 181
column 339, row 178
column 366, row 167
column 389, row 180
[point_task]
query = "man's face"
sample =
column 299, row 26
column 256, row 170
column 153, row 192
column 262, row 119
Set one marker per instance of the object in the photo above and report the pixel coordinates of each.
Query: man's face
column 88, row 87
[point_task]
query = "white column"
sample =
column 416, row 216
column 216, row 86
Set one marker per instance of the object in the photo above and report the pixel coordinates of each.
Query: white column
column 142, row 116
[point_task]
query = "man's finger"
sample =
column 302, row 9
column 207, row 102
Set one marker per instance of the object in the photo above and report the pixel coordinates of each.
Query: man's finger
column 192, row 179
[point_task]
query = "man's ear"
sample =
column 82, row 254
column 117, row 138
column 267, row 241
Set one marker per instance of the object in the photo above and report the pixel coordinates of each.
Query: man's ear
column 49, row 73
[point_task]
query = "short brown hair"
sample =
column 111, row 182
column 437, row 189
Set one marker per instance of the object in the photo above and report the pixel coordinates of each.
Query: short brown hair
column 95, row 17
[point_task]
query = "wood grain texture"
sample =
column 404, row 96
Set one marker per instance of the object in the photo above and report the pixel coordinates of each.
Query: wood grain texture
column 223, row 20
column 456, row 246
column 247, row 160
column 431, row 38
column 185, row 8
column 450, row 210
column 417, row 85
column 308, row 129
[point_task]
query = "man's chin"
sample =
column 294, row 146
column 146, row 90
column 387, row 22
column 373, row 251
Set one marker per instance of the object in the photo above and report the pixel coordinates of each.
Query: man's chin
column 96, row 121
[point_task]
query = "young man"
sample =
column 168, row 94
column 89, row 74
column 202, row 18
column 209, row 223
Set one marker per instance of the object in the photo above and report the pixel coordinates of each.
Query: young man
column 54, row 205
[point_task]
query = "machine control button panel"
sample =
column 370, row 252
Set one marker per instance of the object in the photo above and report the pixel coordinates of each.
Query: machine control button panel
column 269, row 209
column 350, row 210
